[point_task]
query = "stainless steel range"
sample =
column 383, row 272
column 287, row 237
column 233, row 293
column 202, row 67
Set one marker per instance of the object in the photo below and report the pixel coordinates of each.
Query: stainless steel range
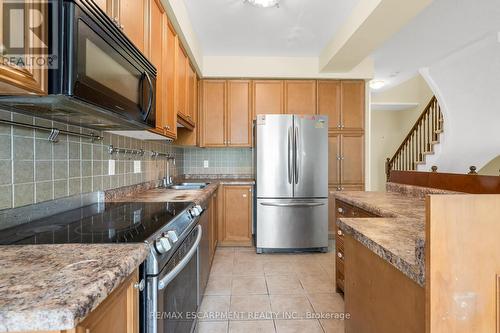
column 170, row 283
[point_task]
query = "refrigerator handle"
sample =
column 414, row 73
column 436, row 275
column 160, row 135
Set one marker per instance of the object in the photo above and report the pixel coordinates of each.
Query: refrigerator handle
column 296, row 155
column 290, row 153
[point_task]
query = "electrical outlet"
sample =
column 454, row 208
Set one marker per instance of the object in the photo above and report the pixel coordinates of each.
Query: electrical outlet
column 137, row 166
column 205, row 163
column 111, row 167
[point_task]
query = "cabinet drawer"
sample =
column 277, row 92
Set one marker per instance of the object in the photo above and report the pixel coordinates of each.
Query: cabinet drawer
column 347, row 210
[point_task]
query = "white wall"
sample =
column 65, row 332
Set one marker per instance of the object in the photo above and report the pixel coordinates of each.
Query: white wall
column 467, row 85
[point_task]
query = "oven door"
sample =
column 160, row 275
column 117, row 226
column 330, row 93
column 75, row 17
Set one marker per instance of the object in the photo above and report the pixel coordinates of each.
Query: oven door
column 107, row 70
column 177, row 290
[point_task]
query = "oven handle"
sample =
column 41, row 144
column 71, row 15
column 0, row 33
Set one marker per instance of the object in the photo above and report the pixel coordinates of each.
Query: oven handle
column 180, row 266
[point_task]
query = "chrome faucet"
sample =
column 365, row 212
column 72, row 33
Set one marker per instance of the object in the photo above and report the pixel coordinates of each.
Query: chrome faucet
column 167, row 180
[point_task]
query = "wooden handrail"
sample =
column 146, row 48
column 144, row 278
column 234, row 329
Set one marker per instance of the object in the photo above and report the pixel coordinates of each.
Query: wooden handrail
column 419, row 140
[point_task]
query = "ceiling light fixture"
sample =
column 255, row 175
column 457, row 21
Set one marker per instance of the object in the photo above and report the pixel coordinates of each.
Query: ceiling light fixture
column 264, row 3
column 377, row 84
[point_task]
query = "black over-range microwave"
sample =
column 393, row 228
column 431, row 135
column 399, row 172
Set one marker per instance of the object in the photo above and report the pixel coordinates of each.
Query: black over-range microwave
column 99, row 79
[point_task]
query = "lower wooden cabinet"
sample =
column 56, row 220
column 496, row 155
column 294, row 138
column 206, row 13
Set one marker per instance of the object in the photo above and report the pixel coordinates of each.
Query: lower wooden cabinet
column 212, row 229
column 235, row 218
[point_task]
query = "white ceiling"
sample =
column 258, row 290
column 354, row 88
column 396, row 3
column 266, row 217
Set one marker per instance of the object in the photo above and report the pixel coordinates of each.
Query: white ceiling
column 298, row 28
column 444, row 27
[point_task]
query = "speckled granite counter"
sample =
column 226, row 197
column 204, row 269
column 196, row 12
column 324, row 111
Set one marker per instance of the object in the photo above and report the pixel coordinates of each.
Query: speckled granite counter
column 198, row 196
column 54, row 287
column 398, row 236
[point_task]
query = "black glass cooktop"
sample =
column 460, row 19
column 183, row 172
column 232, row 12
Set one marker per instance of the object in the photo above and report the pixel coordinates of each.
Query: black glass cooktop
column 98, row 223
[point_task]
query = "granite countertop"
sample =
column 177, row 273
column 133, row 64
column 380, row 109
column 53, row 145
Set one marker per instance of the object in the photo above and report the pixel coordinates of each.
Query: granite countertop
column 61, row 284
column 398, row 236
column 198, row 196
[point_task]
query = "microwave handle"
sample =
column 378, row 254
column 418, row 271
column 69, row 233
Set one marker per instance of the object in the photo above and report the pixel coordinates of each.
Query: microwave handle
column 184, row 261
column 150, row 95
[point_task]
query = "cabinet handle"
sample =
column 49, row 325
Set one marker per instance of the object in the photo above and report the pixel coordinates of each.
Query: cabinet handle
column 122, row 27
column 249, row 190
column 244, row 195
column 338, row 126
column 342, row 188
column 339, row 232
column 140, row 285
column 340, row 255
column 340, row 210
column 342, row 126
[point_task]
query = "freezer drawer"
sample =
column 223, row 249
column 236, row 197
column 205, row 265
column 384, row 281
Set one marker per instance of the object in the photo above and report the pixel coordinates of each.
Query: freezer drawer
column 289, row 224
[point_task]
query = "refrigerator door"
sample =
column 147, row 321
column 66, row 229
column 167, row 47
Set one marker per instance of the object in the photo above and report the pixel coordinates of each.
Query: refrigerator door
column 311, row 156
column 274, row 151
column 292, row 224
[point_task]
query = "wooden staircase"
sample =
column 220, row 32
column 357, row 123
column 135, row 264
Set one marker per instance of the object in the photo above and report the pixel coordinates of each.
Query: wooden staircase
column 420, row 140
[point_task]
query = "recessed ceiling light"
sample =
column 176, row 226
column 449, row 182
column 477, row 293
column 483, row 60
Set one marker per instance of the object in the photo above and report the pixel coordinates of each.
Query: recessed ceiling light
column 377, row 84
column 264, row 3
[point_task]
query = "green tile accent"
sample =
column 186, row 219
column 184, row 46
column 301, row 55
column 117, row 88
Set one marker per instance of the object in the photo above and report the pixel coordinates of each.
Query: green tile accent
column 23, row 194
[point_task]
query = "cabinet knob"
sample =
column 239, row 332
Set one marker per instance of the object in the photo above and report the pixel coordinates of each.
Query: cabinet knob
column 340, row 255
column 340, row 210
column 244, row 195
column 339, row 232
column 342, row 126
column 140, row 285
column 338, row 125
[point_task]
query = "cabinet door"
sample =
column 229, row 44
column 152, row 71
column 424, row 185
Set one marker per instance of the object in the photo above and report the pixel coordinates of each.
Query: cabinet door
column 237, row 215
column 22, row 80
column 169, row 79
column 331, row 212
column 191, row 92
column 181, row 82
column 268, row 97
column 333, row 159
column 353, row 105
column 155, row 53
column 353, row 166
column 214, row 109
column 213, row 224
column 239, row 117
column 329, row 102
column 118, row 313
column 132, row 20
column 300, row 97
column 105, row 5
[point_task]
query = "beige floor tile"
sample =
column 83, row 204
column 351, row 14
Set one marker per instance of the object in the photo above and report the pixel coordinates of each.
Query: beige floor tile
column 250, row 306
column 222, row 268
column 219, row 285
column 244, row 285
column 284, row 284
column 290, row 306
column 212, row 327
column 262, row 326
column 248, row 268
column 330, row 303
column 318, row 284
column 333, row 326
column 278, row 268
column 298, row 326
column 214, row 308
column 309, row 268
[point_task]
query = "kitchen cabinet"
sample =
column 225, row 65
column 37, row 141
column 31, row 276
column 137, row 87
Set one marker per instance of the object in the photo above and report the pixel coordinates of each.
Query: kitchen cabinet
column 22, row 80
column 213, row 113
column 105, row 5
column 329, row 102
column 190, row 136
column 131, row 19
column 353, row 105
column 213, row 215
column 300, row 97
column 268, row 97
column 334, row 156
column 235, row 223
column 170, row 41
column 183, row 88
column 352, row 159
column 191, row 92
column 239, row 114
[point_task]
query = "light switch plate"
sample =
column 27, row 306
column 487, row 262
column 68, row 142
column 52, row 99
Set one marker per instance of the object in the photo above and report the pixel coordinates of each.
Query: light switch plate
column 137, row 166
column 205, row 163
column 111, row 167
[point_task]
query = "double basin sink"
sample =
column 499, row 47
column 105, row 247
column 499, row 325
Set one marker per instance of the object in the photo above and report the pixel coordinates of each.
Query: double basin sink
column 187, row 186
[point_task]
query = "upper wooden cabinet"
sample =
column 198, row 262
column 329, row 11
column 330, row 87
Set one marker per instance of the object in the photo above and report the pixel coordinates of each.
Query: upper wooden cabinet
column 22, row 80
column 236, row 220
column 268, row 97
column 132, row 18
column 213, row 113
column 182, row 82
column 170, row 41
column 239, row 114
column 353, row 105
column 300, row 97
column 226, row 113
column 329, row 102
column 156, row 53
column 191, row 92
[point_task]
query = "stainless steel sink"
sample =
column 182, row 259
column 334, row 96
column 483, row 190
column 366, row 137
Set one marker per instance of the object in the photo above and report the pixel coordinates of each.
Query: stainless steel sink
column 188, row 186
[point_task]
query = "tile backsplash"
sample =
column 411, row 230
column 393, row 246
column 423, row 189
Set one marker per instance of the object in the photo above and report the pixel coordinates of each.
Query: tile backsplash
column 33, row 169
column 225, row 161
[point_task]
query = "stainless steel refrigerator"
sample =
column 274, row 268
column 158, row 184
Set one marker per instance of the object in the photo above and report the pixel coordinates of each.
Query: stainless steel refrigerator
column 291, row 160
